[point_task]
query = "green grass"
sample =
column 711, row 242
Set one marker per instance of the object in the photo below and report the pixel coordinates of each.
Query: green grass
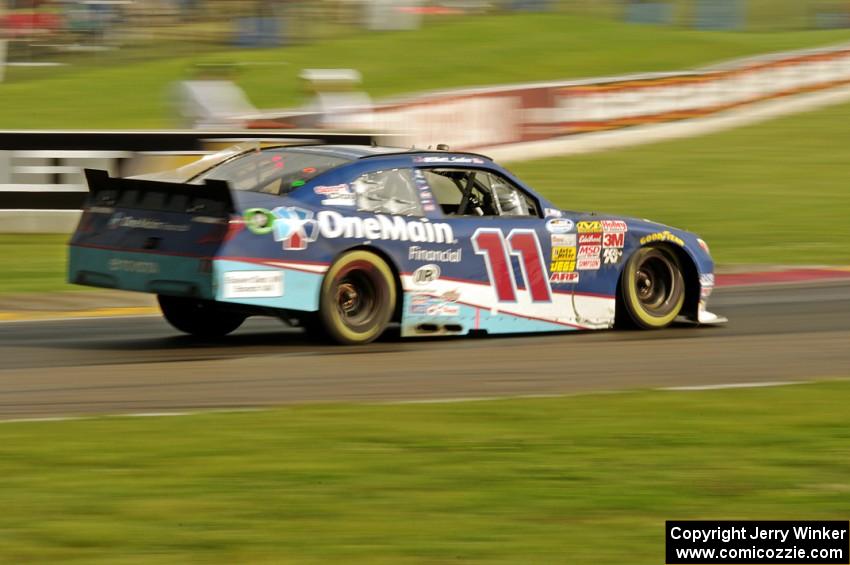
column 34, row 263
column 587, row 479
column 114, row 91
column 759, row 15
column 776, row 192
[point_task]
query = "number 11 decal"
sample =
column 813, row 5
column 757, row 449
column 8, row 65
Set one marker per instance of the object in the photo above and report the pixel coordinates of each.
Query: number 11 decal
column 522, row 243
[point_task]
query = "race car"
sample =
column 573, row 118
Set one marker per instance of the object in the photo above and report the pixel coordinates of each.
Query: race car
column 345, row 240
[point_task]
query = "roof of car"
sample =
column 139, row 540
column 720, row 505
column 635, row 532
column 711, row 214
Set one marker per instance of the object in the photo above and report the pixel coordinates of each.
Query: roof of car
column 354, row 152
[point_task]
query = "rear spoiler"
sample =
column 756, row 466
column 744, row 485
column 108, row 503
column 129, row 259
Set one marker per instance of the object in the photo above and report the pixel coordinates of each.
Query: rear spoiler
column 213, row 198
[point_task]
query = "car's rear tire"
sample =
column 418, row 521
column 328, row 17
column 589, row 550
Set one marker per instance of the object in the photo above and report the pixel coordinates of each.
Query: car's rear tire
column 357, row 299
column 203, row 318
column 652, row 288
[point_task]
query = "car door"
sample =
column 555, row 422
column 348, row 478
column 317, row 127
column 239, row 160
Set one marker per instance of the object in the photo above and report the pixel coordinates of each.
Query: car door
column 518, row 268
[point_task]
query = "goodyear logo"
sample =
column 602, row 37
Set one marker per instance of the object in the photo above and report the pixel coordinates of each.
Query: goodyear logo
column 661, row 236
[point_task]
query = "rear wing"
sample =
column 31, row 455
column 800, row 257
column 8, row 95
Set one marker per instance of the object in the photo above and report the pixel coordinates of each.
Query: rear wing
column 212, row 199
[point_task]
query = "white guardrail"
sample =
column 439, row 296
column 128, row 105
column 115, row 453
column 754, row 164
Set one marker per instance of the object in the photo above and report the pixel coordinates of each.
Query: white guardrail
column 41, row 172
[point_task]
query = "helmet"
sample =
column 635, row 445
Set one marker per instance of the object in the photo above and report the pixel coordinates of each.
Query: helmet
column 509, row 199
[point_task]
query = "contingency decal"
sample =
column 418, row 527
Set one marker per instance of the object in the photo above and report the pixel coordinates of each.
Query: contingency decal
column 422, row 304
column 600, row 241
column 562, row 268
column 426, row 197
column 613, row 241
column 336, row 195
column 253, row 284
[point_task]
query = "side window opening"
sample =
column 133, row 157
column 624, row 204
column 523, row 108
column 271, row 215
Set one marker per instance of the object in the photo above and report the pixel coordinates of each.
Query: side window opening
column 387, row 192
column 471, row 192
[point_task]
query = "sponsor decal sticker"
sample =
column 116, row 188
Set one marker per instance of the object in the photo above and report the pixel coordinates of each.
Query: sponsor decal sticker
column 449, row 159
column 594, row 238
column 444, row 309
column 296, row 227
column 662, row 236
column 122, row 220
column 427, row 305
column 131, row 266
column 559, row 225
column 706, row 282
column 589, row 226
column 332, row 190
column 563, row 260
column 396, row 228
column 563, row 278
column 259, row 220
column 339, row 201
column 563, row 240
column 426, row 274
column 617, row 240
column 614, row 226
column 611, row 256
column 552, row 213
column 450, row 296
column 416, row 253
column 253, row 284
column 589, row 250
column 336, row 195
column 588, row 264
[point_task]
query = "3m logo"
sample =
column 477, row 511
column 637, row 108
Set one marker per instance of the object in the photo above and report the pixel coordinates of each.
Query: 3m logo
column 614, row 240
column 294, row 227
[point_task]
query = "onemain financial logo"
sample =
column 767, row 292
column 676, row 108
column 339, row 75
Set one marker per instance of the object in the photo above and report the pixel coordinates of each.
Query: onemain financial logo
column 296, row 227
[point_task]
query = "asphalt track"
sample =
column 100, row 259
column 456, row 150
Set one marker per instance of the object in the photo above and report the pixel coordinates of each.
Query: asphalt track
column 121, row 365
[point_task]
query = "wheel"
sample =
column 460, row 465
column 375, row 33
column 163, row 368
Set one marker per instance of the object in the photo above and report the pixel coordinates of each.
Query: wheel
column 652, row 287
column 198, row 317
column 357, row 298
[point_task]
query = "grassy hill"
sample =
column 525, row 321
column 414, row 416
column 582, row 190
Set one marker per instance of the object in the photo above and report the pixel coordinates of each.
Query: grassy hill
column 129, row 89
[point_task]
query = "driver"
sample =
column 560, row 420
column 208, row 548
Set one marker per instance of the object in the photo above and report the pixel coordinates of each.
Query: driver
column 510, row 202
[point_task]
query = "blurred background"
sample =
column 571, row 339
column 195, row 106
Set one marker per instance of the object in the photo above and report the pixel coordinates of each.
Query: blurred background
column 580, row 97
column 725, row 117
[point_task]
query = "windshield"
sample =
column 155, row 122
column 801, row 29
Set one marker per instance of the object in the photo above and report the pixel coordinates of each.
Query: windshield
column 272, row 171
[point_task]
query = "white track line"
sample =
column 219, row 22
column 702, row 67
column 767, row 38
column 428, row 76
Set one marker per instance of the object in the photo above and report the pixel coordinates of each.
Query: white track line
column 134, row 415
column 733, row 385
column 695, row 388
column 79, row 318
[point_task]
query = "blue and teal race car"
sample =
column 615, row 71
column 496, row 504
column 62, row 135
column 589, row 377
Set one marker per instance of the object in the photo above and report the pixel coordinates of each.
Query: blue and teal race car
column 345, row 240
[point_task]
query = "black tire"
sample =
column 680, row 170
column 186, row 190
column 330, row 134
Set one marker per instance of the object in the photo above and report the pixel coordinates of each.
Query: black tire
column 203, row 318
column 357, row 299
column 652, row 288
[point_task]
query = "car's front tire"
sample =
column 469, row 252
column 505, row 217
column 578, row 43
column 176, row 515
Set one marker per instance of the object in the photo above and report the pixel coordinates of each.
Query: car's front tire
column 203, row 318
column 357, row 299
column 652, row 288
